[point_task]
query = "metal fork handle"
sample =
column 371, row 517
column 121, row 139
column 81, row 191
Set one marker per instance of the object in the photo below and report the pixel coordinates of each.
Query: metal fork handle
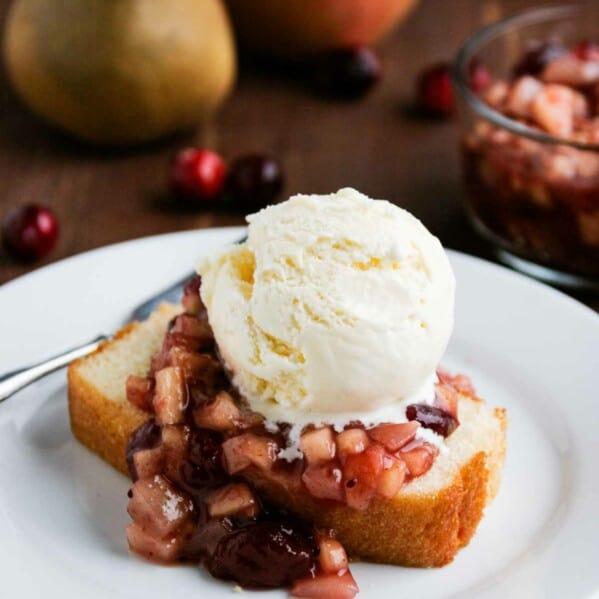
column 14, row 381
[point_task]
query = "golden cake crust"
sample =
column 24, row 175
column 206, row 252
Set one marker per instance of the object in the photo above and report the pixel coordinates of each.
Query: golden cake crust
column 97, row 421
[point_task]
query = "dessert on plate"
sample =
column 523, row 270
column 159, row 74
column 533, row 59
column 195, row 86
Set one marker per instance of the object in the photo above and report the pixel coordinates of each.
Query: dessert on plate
column 292, row 414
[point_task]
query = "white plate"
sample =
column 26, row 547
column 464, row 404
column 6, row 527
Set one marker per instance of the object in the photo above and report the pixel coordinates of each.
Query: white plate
column 527, row 347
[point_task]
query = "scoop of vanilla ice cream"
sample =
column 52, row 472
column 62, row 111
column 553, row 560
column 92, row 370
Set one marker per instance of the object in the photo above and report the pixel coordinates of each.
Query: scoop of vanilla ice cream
column 336, row 304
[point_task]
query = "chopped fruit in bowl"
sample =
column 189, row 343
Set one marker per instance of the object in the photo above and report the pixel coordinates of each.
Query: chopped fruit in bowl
column 479, row 76
column 199, row 177
column 292, row 411
column 530, row 143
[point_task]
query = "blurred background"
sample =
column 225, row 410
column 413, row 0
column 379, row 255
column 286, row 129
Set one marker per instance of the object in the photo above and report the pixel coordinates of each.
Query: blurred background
column 283, row 103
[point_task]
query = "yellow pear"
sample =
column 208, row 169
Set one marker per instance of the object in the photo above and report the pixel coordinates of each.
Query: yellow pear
column 120, row 71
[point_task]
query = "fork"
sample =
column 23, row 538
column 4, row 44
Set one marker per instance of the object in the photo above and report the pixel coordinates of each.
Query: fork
column 14, row 381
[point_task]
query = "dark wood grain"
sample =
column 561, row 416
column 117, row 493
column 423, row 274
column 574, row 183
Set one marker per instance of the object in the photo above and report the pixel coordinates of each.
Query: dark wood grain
column 376, row 145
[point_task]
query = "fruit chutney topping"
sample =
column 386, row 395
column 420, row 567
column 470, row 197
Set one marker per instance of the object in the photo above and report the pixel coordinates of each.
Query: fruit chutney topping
column 206, row 470
column 540, row 199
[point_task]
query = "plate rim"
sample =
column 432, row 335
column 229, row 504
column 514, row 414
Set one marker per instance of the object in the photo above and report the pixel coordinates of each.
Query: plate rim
column 501, row 269
column 560, row 300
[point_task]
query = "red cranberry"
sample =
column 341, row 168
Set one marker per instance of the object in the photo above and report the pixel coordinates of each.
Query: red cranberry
column 479, row 76
column 203, row 541
column 30, row 232
column 147, row 436
column 191, row 300
column 197, row 174
column 431, row 417
column 255, row 180
column 267, row 554
column 192, row 286
column 537, row 58
column 205, row 467
column 348, row 72
column 435, row 90
column 587, row 51
column 198, row 397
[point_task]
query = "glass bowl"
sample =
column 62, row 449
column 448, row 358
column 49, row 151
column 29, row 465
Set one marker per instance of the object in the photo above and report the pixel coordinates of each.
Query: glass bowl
column 535, row 196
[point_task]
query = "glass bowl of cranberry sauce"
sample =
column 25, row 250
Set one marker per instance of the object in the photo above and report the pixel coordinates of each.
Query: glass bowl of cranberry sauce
column 528, row 101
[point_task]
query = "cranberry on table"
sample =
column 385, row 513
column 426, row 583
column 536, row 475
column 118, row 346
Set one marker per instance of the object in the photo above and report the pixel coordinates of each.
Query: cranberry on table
column 197, row 174
column 536, row 59
column 206, row 536
column 30, row 232
column 435, row 90
column 255, row 180
column 348, row 72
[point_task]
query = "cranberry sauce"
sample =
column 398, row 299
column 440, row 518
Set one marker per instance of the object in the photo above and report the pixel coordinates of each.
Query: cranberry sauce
column 193, row 466
column 185, row 506
column 274, row 553
column 432, row 417
column 146, row 437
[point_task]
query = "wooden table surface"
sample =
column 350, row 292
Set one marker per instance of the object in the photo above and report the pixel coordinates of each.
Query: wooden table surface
column 374, row 144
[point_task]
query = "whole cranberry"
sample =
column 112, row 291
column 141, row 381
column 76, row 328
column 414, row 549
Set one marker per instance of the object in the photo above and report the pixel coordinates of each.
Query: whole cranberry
column 432, row 417
column 30, row 232
column 479, row 76
column 255, row 180
column 197, row 174
column 348, row 72
column 204, row 467
column 263, row 555
column 435, row 90
column 537, row 58
column 587, row 51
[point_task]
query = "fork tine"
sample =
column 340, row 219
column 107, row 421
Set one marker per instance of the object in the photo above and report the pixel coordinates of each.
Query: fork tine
column 170, row 294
